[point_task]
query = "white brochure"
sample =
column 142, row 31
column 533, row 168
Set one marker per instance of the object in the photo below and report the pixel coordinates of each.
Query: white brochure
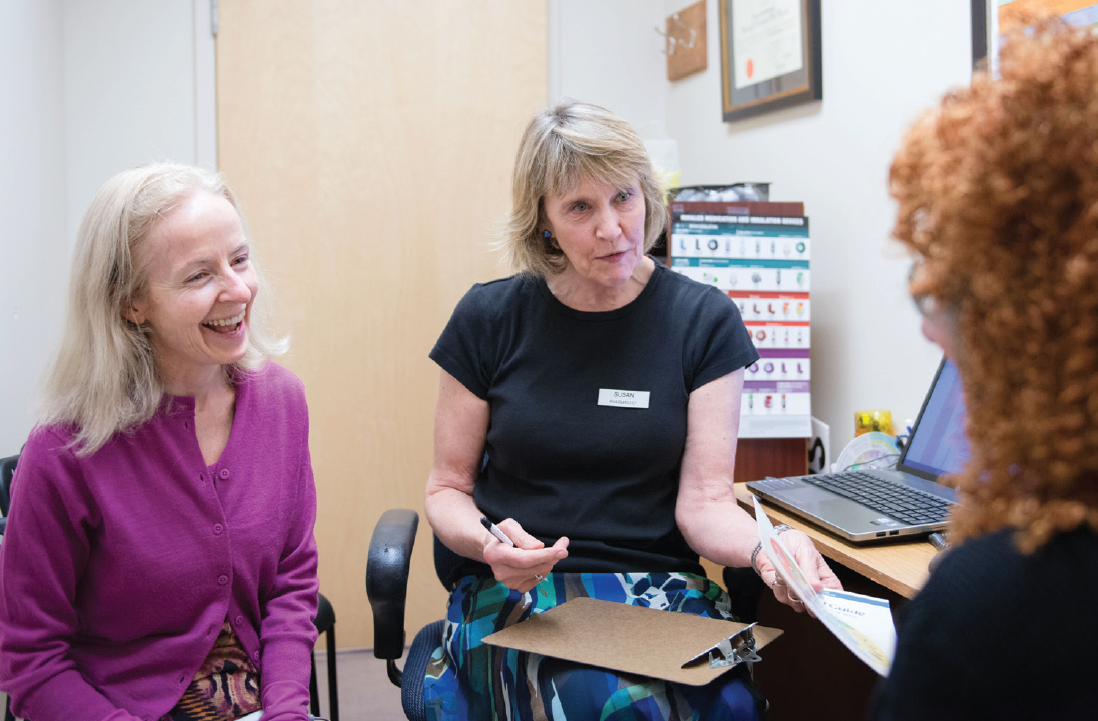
column 862, row 623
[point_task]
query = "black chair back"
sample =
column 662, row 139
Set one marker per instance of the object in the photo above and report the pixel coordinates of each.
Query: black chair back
column 447, row 564
column 7, row 472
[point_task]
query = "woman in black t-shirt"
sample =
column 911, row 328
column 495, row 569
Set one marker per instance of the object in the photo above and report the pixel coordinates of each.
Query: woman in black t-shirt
column 589, row 406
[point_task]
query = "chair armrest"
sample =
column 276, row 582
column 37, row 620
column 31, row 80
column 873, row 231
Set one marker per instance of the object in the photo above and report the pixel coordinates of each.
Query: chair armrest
column 387, row 578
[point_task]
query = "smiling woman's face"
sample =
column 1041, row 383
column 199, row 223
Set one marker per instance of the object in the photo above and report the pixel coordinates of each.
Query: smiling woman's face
column 600, row 228
column 200, row 287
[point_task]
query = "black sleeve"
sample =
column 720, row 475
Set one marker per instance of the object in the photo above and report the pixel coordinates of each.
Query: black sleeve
column 958, row 651
column 719, row 343
column 464, row 349
column 923, row 681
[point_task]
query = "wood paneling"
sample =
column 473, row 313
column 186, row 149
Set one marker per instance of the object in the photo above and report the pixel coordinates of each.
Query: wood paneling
column 757, row 458
column 371, row 145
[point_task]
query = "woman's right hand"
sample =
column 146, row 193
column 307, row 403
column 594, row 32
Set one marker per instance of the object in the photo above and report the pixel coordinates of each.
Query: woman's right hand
column 525, row 565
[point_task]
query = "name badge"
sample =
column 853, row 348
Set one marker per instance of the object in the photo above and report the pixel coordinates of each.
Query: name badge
column 623, row 399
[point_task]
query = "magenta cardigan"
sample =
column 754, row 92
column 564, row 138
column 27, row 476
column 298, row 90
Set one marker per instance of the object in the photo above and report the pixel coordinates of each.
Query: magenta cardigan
column 117, row 570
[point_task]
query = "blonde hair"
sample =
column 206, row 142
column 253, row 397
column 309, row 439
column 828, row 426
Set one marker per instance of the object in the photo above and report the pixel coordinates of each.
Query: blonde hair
column 104, row 377
column 562, row 146
column 998, row 198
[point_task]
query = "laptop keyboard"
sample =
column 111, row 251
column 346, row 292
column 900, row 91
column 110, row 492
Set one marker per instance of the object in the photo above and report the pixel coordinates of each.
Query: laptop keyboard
column 894, row 500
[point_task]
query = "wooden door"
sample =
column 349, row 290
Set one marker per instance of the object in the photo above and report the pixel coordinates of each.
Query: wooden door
column 371, row 145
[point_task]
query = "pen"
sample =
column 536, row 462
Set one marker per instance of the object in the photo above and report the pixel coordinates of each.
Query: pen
column 938, row 540
column 494, row 530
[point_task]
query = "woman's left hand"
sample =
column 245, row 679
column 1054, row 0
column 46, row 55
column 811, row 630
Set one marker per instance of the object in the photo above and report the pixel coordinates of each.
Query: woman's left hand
column 816, row 571
column 706, row 509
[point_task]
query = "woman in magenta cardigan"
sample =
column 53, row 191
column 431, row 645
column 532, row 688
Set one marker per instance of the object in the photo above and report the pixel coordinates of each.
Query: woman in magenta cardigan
column 159, row 560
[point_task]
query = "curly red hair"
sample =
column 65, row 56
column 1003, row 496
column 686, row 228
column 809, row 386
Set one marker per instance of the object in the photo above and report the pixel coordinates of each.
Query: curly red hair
column 998, row 199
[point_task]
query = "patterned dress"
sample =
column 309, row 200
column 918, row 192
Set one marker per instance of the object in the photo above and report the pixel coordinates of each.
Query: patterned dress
column 520, row 685
column 225, row 688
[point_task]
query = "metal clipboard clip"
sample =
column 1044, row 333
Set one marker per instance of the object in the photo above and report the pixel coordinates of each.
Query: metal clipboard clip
column 738, row 648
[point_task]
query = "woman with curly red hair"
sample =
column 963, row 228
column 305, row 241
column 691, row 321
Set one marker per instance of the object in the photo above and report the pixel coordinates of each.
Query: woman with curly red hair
column 998, row 200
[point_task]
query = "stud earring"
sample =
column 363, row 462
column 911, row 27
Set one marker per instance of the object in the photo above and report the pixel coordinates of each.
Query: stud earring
column 547, row 234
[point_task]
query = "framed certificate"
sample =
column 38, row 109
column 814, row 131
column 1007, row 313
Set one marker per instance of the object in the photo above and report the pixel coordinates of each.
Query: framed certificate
column 770, row 55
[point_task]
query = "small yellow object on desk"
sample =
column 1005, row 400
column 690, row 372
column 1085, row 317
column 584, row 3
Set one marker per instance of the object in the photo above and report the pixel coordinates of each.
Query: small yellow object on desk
column 869, row 421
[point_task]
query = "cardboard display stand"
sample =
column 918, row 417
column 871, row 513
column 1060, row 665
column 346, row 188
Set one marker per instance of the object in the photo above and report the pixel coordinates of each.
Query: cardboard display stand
column 632, row 639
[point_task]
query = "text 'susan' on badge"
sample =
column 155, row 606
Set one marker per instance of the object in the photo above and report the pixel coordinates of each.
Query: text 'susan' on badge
column 623, row 399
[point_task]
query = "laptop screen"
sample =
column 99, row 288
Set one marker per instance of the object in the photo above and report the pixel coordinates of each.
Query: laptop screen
column 938, row 444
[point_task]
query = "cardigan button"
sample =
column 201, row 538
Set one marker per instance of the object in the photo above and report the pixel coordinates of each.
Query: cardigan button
column 222, row 579
column 224, row 473
column 218, row 528
column 256, row 655
column 239, row 620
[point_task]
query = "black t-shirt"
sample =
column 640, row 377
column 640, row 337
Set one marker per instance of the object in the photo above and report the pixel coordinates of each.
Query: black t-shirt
column 998, row 635
column 556, row 460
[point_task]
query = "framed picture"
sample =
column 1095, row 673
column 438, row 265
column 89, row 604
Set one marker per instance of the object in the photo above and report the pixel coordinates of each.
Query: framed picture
column 991, row 18
column 770, row 55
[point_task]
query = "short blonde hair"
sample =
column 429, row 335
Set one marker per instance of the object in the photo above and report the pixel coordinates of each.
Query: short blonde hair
column 997, row 190
column 562, row 146
column 104, row 378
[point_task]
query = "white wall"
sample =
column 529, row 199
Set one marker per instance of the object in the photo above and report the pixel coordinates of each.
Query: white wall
column 882, row 63
column 90, row 88
column 131, row 89
column 608, row 52
column 33, row 246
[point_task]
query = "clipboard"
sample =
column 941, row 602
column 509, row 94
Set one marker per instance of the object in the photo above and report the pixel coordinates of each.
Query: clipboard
column 676, row 647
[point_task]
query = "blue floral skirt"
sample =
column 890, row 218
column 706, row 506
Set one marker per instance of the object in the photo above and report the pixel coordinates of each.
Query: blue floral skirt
column 468, row 679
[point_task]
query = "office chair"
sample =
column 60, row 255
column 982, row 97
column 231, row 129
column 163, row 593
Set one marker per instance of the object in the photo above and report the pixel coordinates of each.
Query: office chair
column 325, row 623
column 745, row 588
column 387, row 566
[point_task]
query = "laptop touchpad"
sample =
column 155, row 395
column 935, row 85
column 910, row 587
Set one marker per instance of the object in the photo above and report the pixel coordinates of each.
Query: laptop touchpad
column 803, row 493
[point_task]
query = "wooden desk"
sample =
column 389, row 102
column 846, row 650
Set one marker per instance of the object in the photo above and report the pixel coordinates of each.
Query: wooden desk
column 900, row 567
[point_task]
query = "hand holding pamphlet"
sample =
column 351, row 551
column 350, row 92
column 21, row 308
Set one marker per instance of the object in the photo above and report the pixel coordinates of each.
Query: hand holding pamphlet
column 862, row 623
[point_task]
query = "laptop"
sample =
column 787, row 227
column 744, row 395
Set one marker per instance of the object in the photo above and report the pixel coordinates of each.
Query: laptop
column 866, row 506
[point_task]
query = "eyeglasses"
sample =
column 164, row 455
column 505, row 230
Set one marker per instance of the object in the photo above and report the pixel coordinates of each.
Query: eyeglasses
column 925, row 303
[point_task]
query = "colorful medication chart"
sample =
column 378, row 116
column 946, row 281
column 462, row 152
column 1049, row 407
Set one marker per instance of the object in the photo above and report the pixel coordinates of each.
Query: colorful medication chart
column 762, row 262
